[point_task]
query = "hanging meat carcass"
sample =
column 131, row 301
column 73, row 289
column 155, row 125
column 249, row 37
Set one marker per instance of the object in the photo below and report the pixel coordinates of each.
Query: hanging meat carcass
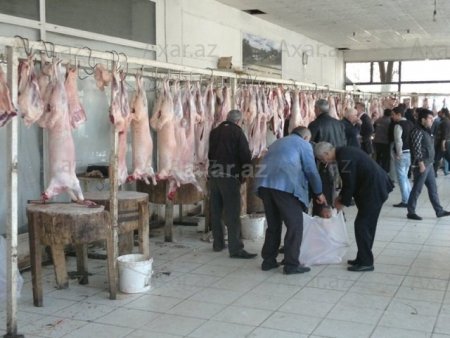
column 332, row 107
column 205, row 111
column 102, row 76
column 119, row 115
column 142, row 138
column 183, row 167
column 61, row 146
column 163, row 122
column 76, row 111
column 223, row 105
column 296, row 119
column 7, row 110
column 29, row 98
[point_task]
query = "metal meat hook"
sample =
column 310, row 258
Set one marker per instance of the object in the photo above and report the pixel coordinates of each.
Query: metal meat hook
column 26, row 45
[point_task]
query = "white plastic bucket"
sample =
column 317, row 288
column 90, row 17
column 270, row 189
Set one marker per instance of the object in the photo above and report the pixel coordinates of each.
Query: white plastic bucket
column 252, row 226
column 135, row 273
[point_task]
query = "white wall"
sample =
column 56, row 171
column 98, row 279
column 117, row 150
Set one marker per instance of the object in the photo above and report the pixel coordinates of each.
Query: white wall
column 196, row 33
column 417, row 52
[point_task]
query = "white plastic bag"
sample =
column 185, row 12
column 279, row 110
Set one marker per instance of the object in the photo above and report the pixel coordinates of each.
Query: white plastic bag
column 3, row 272
column 325, row 240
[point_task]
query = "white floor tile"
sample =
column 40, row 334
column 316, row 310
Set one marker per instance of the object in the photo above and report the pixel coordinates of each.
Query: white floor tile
column 99, row 331
column 173, row 324
column 390, row 332
column 192, row 308
column 338, row 329
column 292, row 322
column 242, row 315
column 261, row 332
column 128, row 318
column 222, row 330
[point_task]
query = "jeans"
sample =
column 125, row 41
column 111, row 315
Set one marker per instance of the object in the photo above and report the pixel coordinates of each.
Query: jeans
column 427, row 178
column 401, row 168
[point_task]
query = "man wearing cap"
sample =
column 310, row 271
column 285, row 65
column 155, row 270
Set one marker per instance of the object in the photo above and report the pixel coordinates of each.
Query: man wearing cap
column 422, row 154
column 229, row 156
column 326, row 129
column 402, row 152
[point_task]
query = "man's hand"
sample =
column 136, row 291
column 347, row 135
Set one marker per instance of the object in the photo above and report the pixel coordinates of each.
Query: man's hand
column 321, row 199
column 338, row 204
column 422, row 167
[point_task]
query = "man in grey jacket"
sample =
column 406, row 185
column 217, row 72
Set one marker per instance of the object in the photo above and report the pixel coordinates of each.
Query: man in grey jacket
column 422, row 151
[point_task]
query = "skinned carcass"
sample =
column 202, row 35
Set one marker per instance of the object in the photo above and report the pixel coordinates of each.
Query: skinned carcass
column 76, row 111
column 29, row 99
column 7, row 110
column 61, row 146
column 142, row 138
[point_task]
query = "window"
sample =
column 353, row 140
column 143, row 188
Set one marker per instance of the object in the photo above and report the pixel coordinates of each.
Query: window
column 130, row 19
column 357, row 72
column 28, row 9
column 388, row 73
column 427, row 70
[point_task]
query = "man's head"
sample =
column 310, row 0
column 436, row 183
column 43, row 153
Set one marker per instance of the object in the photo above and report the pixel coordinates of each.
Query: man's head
column 321, row 106
column 351, row 114
column 445, row 112
column 387, row 112
column 325, row 152
column 234, row 116
column 425, row 117
column 303, row 132
column 360, row 107
column 397, row 113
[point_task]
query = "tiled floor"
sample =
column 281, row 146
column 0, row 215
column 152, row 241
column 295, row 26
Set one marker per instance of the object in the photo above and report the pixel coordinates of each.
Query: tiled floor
column 200, row 293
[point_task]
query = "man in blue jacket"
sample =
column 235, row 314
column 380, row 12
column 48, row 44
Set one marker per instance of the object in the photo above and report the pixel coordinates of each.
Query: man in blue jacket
column 282, row 183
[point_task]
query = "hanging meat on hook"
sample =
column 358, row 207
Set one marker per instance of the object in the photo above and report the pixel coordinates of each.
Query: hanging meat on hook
column 119, row 114
column 296, row 119
column 102, row 76
column 7, row 110
column 29, row 99
column 163, row 122
column 76, row 111
column 61, row 146
column 142, row 138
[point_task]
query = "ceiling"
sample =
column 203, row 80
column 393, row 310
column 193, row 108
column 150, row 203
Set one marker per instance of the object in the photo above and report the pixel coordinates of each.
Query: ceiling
column 358, row 24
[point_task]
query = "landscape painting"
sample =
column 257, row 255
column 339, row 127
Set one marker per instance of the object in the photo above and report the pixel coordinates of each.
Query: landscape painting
column 261, row 55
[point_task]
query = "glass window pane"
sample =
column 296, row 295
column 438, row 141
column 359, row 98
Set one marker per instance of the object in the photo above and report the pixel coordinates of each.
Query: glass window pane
column 131, row 19
column 375, row 88
column 390, row 71
column 426, row 70
column 357, row 72
column 439, row 88
column 28, row 9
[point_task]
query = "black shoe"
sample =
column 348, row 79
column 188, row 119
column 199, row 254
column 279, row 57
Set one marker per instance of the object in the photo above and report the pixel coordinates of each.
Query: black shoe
column 269, row 265
column 414, row 216
column 243, row 254
column 361, row 268
column 281, row 250
column 444, row 213
column 297, row 269
column 400, row 205
column 352, row 262
column 219, row 248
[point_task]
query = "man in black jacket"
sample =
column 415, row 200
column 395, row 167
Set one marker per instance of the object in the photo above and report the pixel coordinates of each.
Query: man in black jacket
column 326, row 129
column 366, row 131
column 352, row 128
column 229, row 155
column 422, row 154
column 369, row 185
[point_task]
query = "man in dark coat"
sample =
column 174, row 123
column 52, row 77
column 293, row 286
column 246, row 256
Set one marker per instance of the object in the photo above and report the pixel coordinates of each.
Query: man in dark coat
column 352, row 127
column 369, row 185
column 366, row 131
column 229, row 156
column 326, row 129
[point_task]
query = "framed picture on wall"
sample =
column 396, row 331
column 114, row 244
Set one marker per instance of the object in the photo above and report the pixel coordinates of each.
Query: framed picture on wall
column 260, row 55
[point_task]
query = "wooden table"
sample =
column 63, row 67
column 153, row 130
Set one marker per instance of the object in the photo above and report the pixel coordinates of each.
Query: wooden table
column 133, row 215
column 59, row 224
column 186, row 194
